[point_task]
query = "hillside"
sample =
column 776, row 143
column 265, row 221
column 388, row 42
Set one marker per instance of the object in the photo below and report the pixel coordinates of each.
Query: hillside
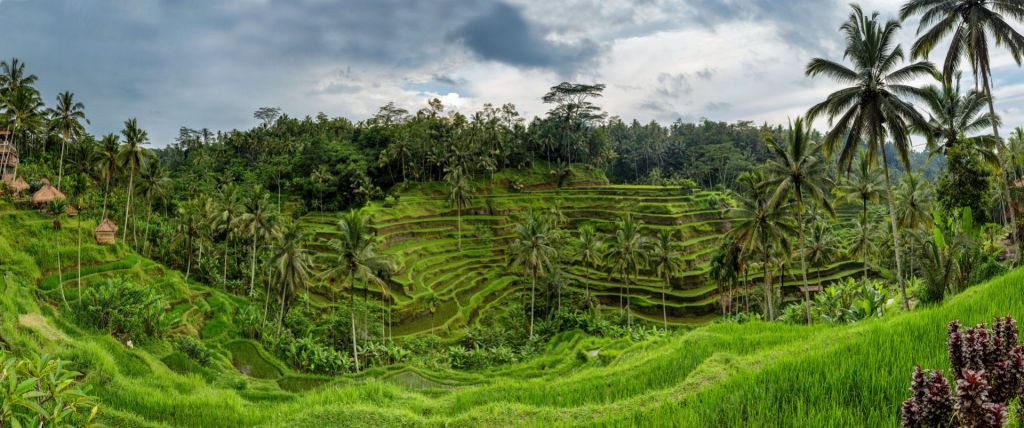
column 421, row 231
column 765, row 374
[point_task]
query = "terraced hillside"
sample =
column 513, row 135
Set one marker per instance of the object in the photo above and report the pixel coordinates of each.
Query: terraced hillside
column 421, row 231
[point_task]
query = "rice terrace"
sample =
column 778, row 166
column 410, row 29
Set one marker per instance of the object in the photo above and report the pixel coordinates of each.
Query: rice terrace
column 687, row 213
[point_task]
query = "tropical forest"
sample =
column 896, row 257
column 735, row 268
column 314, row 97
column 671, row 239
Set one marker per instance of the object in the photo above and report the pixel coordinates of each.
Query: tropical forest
column 851, row 262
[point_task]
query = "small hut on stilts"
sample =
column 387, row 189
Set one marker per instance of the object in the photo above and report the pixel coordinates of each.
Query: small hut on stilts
column 106, row 232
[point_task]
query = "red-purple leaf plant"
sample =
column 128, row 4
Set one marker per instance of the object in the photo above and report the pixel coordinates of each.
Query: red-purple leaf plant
column 988, row 366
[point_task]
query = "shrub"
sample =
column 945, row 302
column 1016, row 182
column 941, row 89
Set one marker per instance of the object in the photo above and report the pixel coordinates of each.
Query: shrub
column 988, row 367
column 391, row 201
column 195, row 349
column 309, row 355
column 125, row 310
column 41, row 392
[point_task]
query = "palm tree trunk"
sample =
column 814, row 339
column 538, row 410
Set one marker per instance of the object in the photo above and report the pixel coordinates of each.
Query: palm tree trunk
column 629, row 318
column 458, row 211
column 252, row 266
column 352, row 320
column 106, row 194
column 664, row 307
column 145, row 237
column 803, row 260
column 60, row 167
column 1006, row 185
column 284, row 303
column 188, row 266
column 128, row 204
column 60, row 272
column 533, row 292
column 79, row 257
column 895, row 232
column 864, row 239
column 224, row 272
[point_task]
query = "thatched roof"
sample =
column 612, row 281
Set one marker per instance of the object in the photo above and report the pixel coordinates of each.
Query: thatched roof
column 47, row 193
column 106, row 226
column 17, row 185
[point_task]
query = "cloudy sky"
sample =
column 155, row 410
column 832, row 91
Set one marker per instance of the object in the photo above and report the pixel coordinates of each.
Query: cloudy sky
column 202, row 63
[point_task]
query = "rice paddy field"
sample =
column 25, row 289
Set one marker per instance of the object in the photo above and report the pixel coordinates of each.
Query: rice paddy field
column 711, row 374
column 421, row 232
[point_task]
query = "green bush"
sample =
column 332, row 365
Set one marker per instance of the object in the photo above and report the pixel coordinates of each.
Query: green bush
column 42, row 392
column 125, row 310
column 195, row 349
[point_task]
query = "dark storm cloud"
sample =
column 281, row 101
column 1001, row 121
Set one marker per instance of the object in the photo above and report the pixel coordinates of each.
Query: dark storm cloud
column 804, row 23
column 503, row 34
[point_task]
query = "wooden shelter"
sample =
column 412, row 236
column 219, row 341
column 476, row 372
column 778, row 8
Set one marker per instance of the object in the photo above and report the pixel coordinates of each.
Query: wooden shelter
column 106, row 232
column 17, row 185
column 46, row 194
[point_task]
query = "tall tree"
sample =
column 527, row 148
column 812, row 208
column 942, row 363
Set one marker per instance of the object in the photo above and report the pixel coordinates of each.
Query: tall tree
column 292, row 264
column 628, row 251
column 460, row 193
column 259, row 222
column 666, row 255
column 533, row 251
column 798, row 171
column 876, row 104
column 758, row 224
column 863, row 185
column 106, row 164
column 133, row 156
column 589, row 250
column 155, row 185
column 355, row 258
column 971, row 26
column 66, row 119
column 229, row 209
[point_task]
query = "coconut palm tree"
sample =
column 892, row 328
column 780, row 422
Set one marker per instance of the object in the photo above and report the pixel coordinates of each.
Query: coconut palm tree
column 79, row 185
column 666, row 256
column 875, row 105
column 863, row 185
column 185, row 219
column 761, row 226
column 355, row 259
column 155, row 184
column 971, row 25
column 24, row 113
column 133, row 156
column 229, row 209
column 106, row 165
column 588, row 250
column 66, row 119
column 292, row 263
column 460, row 193
column 798, row 171
column 628, row 251
column 259, row 222
column 822, row 247
column 532, row 251
column 914, row 200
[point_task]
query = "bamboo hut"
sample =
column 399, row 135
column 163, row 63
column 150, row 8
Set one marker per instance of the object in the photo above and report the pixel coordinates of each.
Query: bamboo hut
column 106, row 232
column 46, row 194
column 16, row 184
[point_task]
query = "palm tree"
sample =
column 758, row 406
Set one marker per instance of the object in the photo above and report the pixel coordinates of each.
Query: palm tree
column 23, row 108
column 107, row 162
column 822, row 247
column 78, row 189
column 914, row 203
column 628, row 251
column 186, row 217
column 970, row 25
column 667, row 257
column 799, row 172
column 292, row 263
column 320, row 177
column 875, row 106
column 757, row 224
column 864, row 185
column 155, row 185
column 588, row 250
column 66, row 120
column 532, row 250
column 460, row 193
column 355, row 258
column 133, row 156
column 230, row 208
column 259, row 222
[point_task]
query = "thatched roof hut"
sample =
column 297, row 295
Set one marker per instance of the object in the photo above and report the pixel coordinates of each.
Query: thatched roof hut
column 47, row 193
column 17, row 185
column 70, row 210
column 106, row 232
